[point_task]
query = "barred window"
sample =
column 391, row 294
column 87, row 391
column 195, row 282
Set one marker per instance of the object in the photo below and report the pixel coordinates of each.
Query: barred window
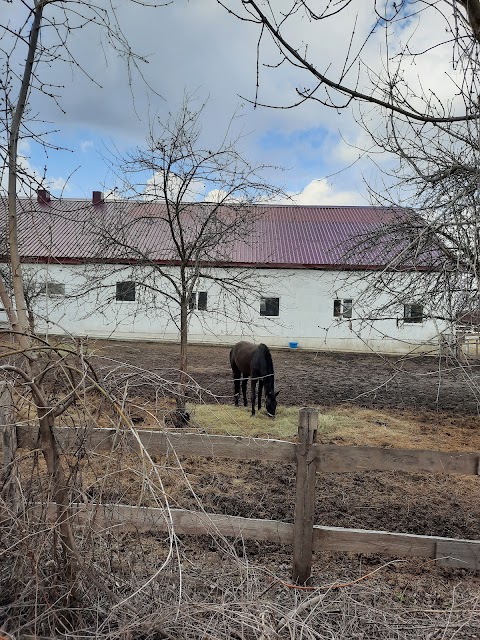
column 342, row 308
column 270, row 307
column 53, row 289
column 413, row 313
column 125, row 291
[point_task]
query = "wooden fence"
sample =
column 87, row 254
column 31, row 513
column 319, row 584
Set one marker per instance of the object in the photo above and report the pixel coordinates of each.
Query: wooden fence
column 470, row 344
column 310, row 459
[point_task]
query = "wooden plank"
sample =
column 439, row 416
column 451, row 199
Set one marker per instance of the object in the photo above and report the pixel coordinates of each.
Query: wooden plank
column 130, row 518
column 305, row 496
column 71, row 440
column 367, row 541
column 163, row 442
column 448, row 551
column 235, row 447
column 458, row 553
column 334, row 458
column 330, row 458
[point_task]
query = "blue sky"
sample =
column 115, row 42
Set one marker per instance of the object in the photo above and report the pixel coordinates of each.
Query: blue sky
column 197, row 47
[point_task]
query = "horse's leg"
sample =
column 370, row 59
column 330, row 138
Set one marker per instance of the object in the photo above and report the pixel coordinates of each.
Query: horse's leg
column 254, row 389
column 236, row 383
column 244, row 390
column 260, row 389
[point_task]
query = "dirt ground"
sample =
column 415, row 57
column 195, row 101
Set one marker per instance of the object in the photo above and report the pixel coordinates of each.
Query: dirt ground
column 322, row 378
column 440, row 396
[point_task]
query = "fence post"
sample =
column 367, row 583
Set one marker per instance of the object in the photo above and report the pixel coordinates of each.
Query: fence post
column 462, row 347
column 305, row 495
column 9, row 445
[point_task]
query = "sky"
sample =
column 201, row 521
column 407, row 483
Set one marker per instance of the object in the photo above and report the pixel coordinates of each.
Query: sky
column 196, row 47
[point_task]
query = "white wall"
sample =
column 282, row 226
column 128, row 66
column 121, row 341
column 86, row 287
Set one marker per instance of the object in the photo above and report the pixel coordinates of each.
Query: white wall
column 306, row 313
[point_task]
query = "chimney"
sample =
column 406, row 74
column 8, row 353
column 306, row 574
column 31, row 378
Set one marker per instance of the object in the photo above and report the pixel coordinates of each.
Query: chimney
column 97, row 197
column 43, row 196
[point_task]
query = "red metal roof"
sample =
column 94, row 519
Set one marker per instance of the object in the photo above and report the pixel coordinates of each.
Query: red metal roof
column 280, row 235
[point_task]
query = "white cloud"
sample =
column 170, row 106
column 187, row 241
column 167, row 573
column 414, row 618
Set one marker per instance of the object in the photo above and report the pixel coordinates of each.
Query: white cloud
column 154, row 189
column 220, row 195
column 30, row 177
column 86, row 145
column 322, row 193
column 57, row 184
column 216, row 195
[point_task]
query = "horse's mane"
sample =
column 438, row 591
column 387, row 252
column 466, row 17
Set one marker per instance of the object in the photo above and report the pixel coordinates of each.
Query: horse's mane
column 262, row 360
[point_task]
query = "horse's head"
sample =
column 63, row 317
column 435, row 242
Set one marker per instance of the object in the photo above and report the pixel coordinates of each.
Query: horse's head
column 271, row 402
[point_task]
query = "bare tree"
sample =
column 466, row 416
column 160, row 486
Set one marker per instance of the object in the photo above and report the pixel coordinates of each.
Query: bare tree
column 342, row 79
column 432, row 243
column 197, row 241
column 429, row 135
column 33, row 37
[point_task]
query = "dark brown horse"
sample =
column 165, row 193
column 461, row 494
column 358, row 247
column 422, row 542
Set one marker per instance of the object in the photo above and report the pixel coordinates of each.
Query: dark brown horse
column 255, row 362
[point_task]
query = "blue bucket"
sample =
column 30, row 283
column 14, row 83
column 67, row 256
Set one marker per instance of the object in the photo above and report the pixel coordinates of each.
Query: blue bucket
column 293, row 345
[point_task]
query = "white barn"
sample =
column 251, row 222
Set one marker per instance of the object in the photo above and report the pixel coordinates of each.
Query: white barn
column 305, row 289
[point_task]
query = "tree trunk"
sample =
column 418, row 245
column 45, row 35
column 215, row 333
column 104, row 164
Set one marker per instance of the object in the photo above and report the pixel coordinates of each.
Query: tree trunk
column 8, row 429
column 183, row 377
column 19, row 317
column 60, row 492
column 17, row 117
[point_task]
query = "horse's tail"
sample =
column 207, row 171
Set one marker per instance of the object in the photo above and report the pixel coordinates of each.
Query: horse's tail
column 233, row 363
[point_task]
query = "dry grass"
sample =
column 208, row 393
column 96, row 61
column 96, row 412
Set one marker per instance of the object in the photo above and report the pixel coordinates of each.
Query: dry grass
column 347, row 426
column 237, row 421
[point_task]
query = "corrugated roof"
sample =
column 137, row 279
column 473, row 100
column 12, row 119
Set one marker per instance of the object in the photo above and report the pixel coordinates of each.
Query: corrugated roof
column 278, row 235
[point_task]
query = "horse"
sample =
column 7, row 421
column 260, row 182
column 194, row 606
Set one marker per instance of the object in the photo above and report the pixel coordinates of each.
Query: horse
column 255, row 362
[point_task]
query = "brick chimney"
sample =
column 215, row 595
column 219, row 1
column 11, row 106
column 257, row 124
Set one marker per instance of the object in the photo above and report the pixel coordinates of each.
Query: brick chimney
column 43, row 196
column 97, row 197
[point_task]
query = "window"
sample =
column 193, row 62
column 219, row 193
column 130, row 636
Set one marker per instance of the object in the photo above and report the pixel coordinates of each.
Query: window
column 125, row 291
column 198, row 301
column 269, row 306
column 342, row 308
column 202, row 301
column 412, row 313
column 53, row 289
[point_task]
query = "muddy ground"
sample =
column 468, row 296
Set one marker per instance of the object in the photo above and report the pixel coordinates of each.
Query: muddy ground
column 440, row 395
column 322, row 378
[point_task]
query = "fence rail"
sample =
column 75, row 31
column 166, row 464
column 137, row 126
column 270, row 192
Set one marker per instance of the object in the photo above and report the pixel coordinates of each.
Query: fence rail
column 468, row 341
column 329, row 458
column 448, row 552
column 309, row 458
